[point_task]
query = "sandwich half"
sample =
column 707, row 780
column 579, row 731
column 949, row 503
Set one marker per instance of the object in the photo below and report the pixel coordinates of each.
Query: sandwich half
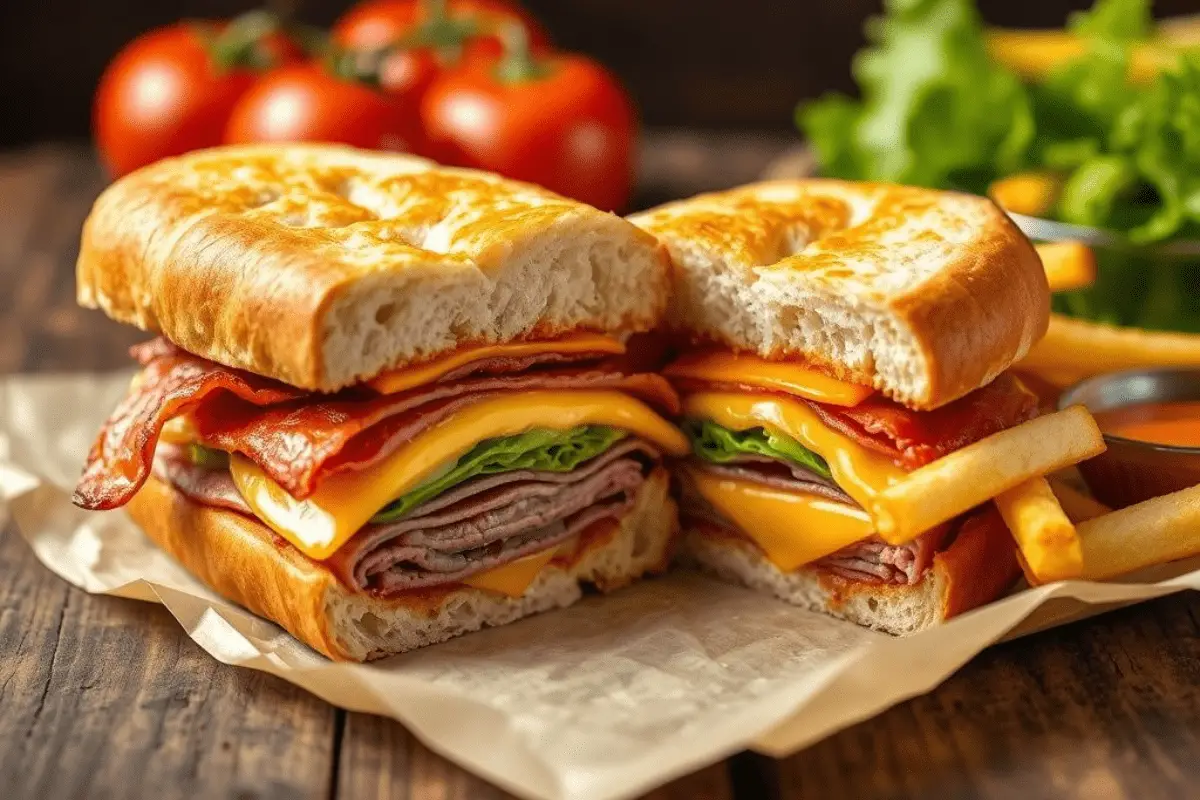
column 846, row 348
column 389, row 403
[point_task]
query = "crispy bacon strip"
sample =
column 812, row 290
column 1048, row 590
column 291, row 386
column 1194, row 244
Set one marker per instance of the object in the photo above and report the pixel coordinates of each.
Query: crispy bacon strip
column 297, row 442
column 171, row 384
column 291, row 434
column 915, row 438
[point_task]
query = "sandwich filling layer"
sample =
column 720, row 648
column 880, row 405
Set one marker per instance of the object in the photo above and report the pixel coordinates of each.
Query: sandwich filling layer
column 457, row 480
column 793, row 474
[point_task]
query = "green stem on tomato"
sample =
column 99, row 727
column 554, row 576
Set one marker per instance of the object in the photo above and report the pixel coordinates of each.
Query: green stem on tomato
column 435, row 10
column 518, row 64
column 239, row 45
column 442, row 31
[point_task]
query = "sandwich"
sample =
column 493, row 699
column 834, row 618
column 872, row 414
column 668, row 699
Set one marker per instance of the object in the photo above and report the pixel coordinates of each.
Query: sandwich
column 845, row 389
column 387, row 403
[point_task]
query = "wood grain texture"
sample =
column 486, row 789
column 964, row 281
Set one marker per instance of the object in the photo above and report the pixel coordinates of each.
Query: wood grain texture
column 1105, row 708
column 101, row 697
column 107, row 698
column 45, row 194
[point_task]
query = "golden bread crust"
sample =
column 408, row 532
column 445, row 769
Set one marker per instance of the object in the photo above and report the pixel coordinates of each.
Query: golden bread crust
column 258, row 256
column 929, row 294
column 240, row 559
column 245, row 562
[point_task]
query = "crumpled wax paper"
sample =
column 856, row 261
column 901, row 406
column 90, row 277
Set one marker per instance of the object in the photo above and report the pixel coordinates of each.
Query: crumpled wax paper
column 606, row 699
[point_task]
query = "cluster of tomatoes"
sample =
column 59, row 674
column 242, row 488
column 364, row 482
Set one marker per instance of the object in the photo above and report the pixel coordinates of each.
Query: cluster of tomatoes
column 465, row 82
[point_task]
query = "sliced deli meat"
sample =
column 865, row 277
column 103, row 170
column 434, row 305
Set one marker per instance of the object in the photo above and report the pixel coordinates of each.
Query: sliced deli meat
column 478, row 525
column 486, row 531
column 875, row 560
column 296, row 436
column 780, row 475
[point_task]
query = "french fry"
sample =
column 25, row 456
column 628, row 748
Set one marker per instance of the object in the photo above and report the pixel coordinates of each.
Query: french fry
column 1029, row 193
column 1074, row 346
column 1068, row 265
column 1154, row 531
column 1030, row 578
column 979, row 472
column 1078, row 506
column 1044, row 535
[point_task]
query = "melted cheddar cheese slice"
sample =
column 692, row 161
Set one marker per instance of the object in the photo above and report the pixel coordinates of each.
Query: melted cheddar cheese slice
column 723, row 366
column 514, row 578
column 344, row 502
column 399, row 380
column 179, row 430
column 791, row 528
column 860, row 472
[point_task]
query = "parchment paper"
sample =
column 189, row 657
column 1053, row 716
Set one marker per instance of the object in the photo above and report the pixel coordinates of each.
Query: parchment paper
column 606, row 699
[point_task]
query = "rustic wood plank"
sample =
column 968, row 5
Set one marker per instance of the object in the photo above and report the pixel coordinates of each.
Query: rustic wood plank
column 1105, row 708
column 378, row 758
column 108, row 698
column 49, row 191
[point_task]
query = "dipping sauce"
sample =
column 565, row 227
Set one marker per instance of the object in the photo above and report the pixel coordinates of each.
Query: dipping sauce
column 1175, row 423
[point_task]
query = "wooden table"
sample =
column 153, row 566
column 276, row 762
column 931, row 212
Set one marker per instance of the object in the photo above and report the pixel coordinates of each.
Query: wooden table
column 101, row 697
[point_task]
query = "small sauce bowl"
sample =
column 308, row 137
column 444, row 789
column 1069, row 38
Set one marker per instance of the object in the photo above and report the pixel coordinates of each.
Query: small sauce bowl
column 1131, row 471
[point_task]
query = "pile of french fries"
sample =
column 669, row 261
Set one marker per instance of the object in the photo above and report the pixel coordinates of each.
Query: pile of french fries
column 1060, row 532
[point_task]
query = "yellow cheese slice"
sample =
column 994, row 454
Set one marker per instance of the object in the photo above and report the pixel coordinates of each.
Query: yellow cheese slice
column 179, row 430
column 860, row 472
column 344, row 502
column 724, row 366
column 791, row 528
column 513, row 579
column 399, row 380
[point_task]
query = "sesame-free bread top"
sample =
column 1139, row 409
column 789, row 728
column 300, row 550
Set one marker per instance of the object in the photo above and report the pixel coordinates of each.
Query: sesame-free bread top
column 322, row 265
column 922, row 294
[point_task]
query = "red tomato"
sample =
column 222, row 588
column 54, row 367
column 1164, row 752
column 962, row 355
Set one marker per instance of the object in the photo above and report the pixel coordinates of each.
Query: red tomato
column 165, row 94
column 377, row 23
column 569, row 127
column 304, row 103
column 442, row 33
column 407, row 74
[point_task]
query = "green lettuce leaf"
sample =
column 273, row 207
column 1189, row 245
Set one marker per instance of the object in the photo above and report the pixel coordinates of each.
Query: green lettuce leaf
column 1079, row 106
column 539, row 449
column 1114, row 21
column 1147, row 184
column 1160, row 135
column 935, row 110
column 720, row 445
column 206, row 457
